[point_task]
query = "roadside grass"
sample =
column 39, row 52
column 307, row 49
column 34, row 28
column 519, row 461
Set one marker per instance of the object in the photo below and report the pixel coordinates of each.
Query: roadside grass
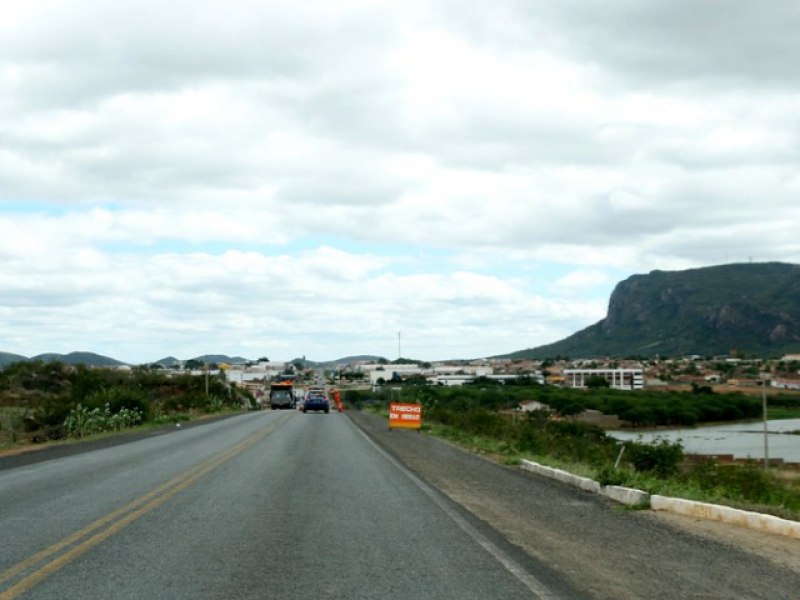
column 780, row 412
column 584, row 450
column 11, row 425
column 48, row 402
column 746, row 487
column 13, row 438
column 378, row 409
column 157, row 423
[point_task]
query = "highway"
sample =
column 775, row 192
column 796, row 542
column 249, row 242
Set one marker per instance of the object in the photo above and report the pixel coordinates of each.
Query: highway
column 262, row 505
column 280, row 504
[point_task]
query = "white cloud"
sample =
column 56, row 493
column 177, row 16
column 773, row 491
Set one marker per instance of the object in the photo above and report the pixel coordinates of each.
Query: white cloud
column 315, row 176
column 581, row 280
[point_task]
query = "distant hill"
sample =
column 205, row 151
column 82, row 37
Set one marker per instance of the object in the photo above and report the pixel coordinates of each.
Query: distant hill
column 752, row 309
column 168, row 362
column 96, row 360
column 347, row 360
column 7, row 358
column 89, row 359
column 218, row 359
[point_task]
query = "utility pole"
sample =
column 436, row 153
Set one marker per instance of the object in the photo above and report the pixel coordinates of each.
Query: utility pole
column 766, row 427
column 399, row 352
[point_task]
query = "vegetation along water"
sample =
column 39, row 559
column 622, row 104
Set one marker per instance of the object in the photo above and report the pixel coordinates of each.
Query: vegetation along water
column 483, row 418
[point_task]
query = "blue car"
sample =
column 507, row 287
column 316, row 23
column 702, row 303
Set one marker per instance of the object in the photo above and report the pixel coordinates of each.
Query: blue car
column 315, row 400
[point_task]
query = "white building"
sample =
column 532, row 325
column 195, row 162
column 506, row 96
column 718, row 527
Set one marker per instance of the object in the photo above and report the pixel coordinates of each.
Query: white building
column 387, row 372
column 619, row 379
column 450, row 380
column 259, row 371
column 474, row 370
column 786, row 384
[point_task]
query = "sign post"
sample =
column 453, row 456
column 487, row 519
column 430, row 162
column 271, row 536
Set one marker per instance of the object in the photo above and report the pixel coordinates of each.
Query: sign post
column 405, row 416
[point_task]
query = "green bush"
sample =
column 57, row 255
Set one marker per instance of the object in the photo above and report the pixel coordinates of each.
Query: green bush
column 663, row 458
column 83, row 421
column 51, row 392
column 609, row 475
column 120, row 398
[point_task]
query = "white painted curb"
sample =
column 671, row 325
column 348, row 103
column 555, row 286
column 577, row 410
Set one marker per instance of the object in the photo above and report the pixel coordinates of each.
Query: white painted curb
column 701, row 510
column 584, row 483
column 628, row 496
column 726, row 514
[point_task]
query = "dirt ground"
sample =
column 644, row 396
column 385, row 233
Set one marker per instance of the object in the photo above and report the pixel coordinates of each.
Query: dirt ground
column 595, row 417
column 782, row 550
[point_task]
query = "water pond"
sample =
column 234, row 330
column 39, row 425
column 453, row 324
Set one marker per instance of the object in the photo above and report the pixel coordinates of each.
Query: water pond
column 743, row 440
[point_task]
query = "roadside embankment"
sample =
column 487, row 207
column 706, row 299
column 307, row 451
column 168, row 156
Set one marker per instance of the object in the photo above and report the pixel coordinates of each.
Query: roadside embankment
column 691, row 508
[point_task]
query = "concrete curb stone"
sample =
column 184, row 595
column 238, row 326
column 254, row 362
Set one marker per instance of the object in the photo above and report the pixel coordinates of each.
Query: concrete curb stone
column 726, row 514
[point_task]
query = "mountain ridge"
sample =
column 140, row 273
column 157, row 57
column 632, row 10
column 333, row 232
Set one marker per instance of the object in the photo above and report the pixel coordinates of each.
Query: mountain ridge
column 97, row 360
column 744, row 308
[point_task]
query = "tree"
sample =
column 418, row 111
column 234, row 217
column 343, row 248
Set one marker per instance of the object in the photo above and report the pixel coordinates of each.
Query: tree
column 702, row 389
column 597, row 381
column 570, row 408
column 404, row 361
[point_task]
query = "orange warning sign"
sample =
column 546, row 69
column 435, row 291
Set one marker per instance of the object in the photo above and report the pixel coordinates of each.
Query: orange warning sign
column 405, row 416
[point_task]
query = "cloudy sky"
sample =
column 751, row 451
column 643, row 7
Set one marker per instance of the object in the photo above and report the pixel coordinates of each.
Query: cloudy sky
column 282, row 178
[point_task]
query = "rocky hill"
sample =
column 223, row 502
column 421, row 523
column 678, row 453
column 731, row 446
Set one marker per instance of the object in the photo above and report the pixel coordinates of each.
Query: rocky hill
column 750, row 309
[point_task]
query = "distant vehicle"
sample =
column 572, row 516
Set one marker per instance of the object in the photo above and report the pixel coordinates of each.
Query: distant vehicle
column 281, row 394
column 316, row 400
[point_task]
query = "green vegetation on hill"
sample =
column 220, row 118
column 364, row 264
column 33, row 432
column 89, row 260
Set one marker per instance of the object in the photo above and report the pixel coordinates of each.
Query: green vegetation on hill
column 752, row 309
column 7, row 358
column 89, row 359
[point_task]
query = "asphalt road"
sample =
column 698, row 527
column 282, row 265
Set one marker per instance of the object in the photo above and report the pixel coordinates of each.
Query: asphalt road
column 263, row 505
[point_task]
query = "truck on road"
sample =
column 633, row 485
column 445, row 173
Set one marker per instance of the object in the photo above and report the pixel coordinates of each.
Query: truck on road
column 281, row 394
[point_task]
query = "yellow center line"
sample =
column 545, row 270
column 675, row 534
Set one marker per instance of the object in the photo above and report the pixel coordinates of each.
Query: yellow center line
column 135, row 509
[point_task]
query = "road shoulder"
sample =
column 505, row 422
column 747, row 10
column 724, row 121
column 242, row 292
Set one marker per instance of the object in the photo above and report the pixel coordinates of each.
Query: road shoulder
column 619, row 551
